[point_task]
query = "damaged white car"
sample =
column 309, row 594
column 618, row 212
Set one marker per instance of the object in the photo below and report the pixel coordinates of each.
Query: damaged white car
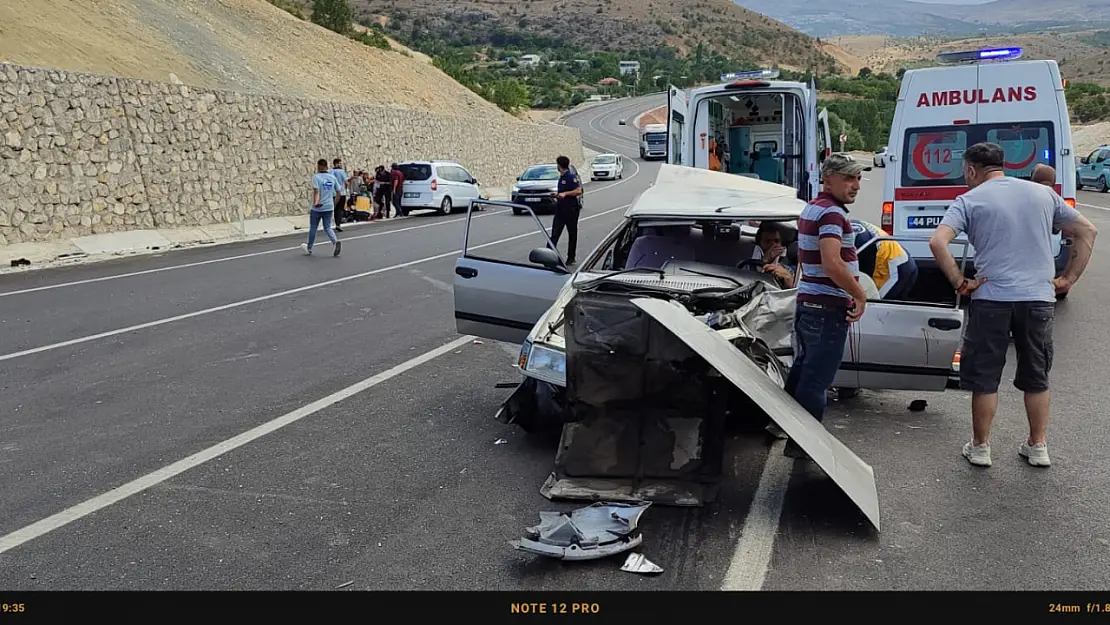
column 670, row 330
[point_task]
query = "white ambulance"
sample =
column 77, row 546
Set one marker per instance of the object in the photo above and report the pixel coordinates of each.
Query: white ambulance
column 754, row 125
column 981, row 95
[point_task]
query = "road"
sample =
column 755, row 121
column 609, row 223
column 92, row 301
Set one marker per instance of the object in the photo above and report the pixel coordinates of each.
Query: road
column 245, row 417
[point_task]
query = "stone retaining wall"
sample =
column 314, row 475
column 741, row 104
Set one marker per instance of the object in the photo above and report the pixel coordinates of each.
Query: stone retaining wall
column 86, row 154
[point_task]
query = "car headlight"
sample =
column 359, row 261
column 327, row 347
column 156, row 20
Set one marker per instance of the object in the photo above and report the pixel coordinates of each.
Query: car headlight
column 516, row 189
column 545, row 363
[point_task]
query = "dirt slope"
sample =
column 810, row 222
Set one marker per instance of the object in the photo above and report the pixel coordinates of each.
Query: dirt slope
column 241, row 45
column 615, row 25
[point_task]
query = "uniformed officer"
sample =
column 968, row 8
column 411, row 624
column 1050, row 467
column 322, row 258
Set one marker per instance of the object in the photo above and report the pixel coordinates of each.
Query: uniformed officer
column 568, row 205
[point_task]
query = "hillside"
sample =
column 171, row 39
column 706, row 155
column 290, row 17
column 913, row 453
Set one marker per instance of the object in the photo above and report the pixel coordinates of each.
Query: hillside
column 720, row 26
column 241, row 45
column 905, row 18
column 1083, row 56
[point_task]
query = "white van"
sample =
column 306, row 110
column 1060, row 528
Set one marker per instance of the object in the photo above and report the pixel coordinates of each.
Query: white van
column 767, row 129
column 442, row 185
column 981, row 95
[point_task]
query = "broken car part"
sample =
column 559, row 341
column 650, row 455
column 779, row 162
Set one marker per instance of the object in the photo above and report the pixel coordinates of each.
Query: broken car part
column 638, row 563
column 596, row 531
column 855, row 477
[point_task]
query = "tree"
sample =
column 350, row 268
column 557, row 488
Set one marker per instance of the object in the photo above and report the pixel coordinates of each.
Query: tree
column 334, row 15
column 864, row 72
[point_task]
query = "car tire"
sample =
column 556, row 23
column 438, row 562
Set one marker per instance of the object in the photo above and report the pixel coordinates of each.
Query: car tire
column 446, row 207
column 1078, row 183
column 1102, row 186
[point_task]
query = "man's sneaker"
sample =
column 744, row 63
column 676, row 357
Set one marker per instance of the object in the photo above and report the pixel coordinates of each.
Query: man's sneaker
column 1036, row 455
column 307, row 249
column 978, row 455
column 338, row 247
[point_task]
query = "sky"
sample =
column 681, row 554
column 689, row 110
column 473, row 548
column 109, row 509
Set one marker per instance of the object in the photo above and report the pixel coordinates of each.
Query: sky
column 953, row 1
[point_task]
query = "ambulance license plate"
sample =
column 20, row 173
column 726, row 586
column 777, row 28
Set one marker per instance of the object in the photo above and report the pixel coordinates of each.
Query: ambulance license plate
column 923, row 221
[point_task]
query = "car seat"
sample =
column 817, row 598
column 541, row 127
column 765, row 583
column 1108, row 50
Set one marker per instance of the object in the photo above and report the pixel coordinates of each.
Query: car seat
column 652, row 250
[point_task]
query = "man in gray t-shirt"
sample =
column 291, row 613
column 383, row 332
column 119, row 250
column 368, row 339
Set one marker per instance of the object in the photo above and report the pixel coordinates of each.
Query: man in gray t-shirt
column 1010, row 222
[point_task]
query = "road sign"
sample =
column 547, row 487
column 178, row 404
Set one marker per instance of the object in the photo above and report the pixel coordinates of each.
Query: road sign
column 843, row 138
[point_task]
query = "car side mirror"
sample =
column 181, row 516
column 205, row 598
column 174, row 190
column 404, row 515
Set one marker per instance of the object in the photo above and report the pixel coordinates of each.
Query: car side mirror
column 545, row 256
column 1086, row 160
column 473, row 181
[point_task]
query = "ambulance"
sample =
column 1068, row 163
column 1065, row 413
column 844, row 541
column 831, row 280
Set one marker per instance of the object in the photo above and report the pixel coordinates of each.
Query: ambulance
column 761, row 127
column 975, row 96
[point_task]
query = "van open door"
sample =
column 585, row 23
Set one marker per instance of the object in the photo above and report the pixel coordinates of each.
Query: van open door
column 676, row 124
column 824, row 139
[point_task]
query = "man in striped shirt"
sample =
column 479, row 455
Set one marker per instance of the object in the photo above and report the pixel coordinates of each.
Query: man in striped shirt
column 829, row 294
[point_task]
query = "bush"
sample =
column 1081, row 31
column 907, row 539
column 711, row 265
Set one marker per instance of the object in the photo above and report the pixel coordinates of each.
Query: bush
column 335, row 15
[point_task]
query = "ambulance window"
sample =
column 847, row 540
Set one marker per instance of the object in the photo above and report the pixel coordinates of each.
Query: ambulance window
column 1025, row 147
column 934, row 157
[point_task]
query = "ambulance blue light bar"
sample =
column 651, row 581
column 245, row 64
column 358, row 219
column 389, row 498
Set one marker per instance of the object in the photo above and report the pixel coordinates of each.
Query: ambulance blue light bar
column 989, row 54
column 768, row 74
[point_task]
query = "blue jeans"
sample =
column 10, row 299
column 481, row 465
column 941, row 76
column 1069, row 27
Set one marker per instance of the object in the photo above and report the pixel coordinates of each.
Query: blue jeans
column 314, row 219
column 820, row 335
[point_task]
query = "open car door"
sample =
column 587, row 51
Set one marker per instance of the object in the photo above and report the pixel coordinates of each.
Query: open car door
column 497, row 295
column 676, row 125
column 906, row 345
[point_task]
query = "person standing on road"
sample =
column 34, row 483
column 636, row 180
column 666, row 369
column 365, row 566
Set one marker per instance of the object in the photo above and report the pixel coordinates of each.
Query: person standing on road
column 341, row 195
column 397, row 182
column 325, row 188
column 1044, row 174
column 568, row 207
column 1009, row 221
column 829, row 294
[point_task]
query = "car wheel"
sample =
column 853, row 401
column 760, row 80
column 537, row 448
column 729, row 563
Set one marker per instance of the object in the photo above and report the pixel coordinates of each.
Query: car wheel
column 1102, row 187
column 446, row 208
column 1078, row 183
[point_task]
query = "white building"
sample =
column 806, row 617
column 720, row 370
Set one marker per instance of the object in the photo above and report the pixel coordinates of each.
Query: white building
column 629, row 67
column 529, row 60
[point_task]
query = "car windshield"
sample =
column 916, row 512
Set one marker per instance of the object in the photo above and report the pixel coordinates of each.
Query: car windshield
column 606, row 159
column 543, row 172
column 656, row 136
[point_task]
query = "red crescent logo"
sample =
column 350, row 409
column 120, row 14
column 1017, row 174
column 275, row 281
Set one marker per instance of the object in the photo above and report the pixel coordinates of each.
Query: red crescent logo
column 1027, row 162
column 919, row 156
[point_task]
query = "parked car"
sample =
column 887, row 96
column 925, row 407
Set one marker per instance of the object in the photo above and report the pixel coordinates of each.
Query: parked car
column 1094, row 170
column 536, row 187
column 442, row 185
column 607, row 167
column 880, row 157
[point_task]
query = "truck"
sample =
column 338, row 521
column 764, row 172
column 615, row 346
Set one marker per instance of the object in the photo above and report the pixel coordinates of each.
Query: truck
column 653, row 142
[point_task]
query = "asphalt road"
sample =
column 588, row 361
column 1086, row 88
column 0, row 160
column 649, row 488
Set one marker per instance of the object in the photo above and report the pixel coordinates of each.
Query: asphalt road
column 245, row 417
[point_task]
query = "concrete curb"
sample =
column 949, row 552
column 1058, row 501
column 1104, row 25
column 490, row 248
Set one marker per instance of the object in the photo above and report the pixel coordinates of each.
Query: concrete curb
column 114, row 245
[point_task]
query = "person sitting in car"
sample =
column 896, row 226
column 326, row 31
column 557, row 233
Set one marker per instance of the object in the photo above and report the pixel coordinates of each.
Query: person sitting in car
column 769, row 249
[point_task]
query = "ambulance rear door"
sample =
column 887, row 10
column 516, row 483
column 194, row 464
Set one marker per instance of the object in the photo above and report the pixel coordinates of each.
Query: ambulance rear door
column 940, row 106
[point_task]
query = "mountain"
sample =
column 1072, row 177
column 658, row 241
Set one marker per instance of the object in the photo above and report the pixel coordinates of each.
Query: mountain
column 719, row 26
column 906, row 18
column 241, row 45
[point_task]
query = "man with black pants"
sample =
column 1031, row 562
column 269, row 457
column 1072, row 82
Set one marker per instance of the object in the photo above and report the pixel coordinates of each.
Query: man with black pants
column 568, row 205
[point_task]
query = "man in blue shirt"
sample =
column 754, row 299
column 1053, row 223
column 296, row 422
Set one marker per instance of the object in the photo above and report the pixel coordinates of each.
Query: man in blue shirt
column 325, row 190
column 568, row 205
column 341, row 195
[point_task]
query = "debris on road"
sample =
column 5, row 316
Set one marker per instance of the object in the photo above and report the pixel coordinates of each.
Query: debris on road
column 596, row 531
column 345, row 584
column 638, row 563
column 500, row 441
column 477, row 342
column 918, row 405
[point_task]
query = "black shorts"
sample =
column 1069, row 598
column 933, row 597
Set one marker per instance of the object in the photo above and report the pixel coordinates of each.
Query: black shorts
column 989, row 329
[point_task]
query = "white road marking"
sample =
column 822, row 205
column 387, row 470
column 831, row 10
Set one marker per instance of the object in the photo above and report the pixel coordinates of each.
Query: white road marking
column 230, row 258
column 134, row 487
column 1101, row 208
column 439, row 284
column 752, row 558
column 255, row 300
